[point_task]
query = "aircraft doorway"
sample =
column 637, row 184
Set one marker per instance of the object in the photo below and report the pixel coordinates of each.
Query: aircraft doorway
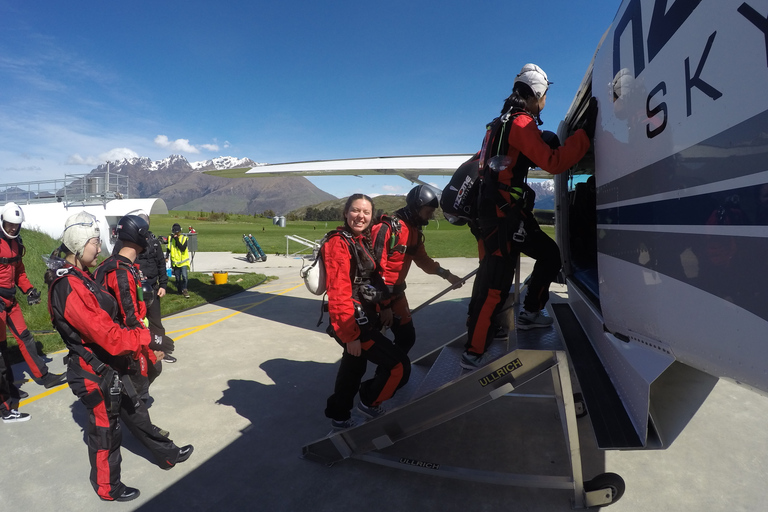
column 578, row 231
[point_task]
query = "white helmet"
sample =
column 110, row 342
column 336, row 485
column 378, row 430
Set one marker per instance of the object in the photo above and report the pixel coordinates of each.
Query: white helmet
column 78, row 230
column 12, row 214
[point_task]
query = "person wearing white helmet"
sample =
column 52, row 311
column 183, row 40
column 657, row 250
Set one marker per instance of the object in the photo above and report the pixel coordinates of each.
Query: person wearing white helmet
column 512, row 145
column 13, row 275
column 101, row 353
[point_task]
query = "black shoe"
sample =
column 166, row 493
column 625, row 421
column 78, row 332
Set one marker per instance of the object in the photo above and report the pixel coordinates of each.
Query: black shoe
column 128, row 494
column 184, row 453
column 23, row 394
column 51, row 380
column 168, row 358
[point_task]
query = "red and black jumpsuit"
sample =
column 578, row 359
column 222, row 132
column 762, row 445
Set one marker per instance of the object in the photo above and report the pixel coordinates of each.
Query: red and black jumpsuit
column 353, row 318
column 397, row 243
column 120, row 277
column 85, row 316
column 13, row 274
column 500, row 213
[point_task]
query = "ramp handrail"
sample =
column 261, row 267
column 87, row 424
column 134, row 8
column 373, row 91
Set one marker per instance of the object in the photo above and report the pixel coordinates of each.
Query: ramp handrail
column 309, row 245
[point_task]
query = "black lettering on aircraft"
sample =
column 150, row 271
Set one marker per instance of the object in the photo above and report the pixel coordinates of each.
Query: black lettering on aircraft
column 695, row 80
column 665, row 23
column 661, row 108
column 633, row 14
column 757, row 20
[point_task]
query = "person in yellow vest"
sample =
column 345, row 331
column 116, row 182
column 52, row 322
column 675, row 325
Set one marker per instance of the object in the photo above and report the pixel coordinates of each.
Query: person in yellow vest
column 178, row 252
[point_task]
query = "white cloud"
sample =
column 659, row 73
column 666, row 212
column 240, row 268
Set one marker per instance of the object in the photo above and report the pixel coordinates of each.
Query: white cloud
column 112, row 155
column 210, row 147
column 181, row 145
column 226, row 144
column 392, row 188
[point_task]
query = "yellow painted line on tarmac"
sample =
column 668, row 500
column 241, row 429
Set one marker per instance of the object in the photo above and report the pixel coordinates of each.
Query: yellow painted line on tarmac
column 192, row 330
column 205, row 326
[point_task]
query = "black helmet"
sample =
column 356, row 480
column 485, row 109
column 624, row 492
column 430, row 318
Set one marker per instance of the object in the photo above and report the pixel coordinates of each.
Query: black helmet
column 176, row 228
column 133, row 228
column 421, row 195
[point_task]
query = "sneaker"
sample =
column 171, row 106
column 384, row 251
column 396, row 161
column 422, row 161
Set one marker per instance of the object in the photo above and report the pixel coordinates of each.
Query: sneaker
column 51, row 380
column 501, row 334
column 23, row 394
column 531, row 320
column 370, row 411
column 339, row 425
column 168, row 358
column 128, row 494
column 14, row 416
column 184, row 453
column 186, row 293
column 474, row 361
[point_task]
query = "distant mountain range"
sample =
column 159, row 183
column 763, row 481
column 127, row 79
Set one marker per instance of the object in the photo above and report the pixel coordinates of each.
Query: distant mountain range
column 184, row 186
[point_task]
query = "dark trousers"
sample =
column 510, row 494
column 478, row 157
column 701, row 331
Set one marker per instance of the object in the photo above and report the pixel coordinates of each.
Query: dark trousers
column 9, row 394
column 402, row 328
column 496, row 274
column 393, row 369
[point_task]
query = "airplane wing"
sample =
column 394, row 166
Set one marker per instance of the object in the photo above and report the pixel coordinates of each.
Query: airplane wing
column 408, row 167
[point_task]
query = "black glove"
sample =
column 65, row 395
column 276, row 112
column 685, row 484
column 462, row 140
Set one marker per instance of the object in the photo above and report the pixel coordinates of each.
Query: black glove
column 590, row 118
column 161, row 343
column 33, row 297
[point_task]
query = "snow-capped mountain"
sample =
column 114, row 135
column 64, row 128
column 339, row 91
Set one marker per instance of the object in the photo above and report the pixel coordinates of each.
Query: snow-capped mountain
column 184, row 186
column 223, row 162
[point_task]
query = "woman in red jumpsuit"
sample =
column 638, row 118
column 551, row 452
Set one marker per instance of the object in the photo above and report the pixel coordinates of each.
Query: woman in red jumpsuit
column 354, row 289
column 100, row 351
column 506, row 220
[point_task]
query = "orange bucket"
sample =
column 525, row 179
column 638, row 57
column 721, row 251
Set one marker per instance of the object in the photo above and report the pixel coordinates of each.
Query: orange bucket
column 220, row 277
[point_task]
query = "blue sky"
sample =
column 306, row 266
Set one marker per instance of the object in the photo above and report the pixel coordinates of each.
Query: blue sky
column 83, row 82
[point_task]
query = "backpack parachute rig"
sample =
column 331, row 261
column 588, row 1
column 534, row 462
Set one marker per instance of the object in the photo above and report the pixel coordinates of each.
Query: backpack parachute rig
column 255, row 252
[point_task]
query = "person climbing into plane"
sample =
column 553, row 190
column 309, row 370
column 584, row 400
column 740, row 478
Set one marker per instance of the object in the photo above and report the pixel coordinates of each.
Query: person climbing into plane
column 102, row 352
column 354, row 291
column 506, row 222
column 399, row 241
column 13, row 275
column 178, row 252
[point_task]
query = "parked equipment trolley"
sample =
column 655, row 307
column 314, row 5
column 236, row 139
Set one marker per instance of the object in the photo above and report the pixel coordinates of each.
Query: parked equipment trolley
column 255, row 252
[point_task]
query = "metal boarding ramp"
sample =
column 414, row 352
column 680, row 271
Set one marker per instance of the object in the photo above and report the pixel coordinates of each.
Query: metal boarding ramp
column 439, row 390
column 308, row 245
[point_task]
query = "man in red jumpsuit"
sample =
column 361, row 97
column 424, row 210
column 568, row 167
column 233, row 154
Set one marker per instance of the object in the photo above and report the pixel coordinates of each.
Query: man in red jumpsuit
column 12, row 275
column 120, row 276
column 398, row 241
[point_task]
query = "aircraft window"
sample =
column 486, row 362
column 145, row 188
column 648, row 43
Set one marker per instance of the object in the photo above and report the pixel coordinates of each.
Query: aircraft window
column 582, row 235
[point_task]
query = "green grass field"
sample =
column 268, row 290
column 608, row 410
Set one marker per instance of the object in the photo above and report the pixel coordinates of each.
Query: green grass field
column 201, row 290
column 443, row 240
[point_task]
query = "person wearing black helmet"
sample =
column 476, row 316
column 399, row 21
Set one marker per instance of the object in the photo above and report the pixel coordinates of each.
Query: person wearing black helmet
column 178, row 252
column 398, row 241
column 151, row 263
column 121, row 277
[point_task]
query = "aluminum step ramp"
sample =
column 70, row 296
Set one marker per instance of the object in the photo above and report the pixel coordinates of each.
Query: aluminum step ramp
column 439, row 391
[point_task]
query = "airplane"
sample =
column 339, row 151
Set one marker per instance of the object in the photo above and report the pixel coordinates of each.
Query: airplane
column 663, row 226
column 47, row 204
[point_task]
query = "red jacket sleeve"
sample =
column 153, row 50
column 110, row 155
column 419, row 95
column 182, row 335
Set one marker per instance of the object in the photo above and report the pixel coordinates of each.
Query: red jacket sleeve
column 525, row 136
column 341, row 309
column 83, row 313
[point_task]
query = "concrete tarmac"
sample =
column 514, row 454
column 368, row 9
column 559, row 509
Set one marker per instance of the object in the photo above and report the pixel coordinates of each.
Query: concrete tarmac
column 248, row 391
